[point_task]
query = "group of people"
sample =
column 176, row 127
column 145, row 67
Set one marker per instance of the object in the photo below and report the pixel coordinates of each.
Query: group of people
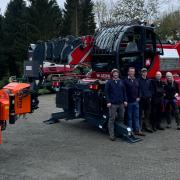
column 142, row 101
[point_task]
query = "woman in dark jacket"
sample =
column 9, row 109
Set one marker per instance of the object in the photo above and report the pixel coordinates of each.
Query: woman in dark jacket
column 171, row 92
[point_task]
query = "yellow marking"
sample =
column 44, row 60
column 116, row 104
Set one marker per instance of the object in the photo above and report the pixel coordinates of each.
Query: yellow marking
column 6, row 107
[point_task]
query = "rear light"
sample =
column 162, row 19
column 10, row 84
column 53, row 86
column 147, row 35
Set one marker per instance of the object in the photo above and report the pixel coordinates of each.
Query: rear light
column 30, row 56
column 94, row 87
column 148, row 62
column 55, row 84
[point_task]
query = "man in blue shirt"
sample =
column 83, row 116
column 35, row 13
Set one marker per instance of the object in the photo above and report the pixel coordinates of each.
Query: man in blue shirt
column 133, row 97
column 116, row 100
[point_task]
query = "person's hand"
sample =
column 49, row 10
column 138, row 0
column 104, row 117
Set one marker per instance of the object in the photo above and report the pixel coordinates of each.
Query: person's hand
column 125, row 103
column 108, row 105
column 137, row 99
column 176, row 95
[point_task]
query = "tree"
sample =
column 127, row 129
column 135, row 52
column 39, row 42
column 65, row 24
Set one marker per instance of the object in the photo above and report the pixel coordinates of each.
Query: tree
column 14, row 43
column 151, row 10
column 169, row 26
column 127, row 10
column 101, row 11
column 23, row 25
column 87, row 24
column 44, row 19
column 3, row 67
column 78, row 17
column 72, row 14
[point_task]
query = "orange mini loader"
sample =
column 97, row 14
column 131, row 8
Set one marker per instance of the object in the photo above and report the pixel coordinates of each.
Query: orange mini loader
column 16, row 99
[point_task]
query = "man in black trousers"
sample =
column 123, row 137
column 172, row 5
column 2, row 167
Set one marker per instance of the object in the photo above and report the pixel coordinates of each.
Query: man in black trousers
column 145, row 101
column 157, row 101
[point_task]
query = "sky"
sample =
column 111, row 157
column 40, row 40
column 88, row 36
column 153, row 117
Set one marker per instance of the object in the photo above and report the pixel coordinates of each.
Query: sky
column 170, row 4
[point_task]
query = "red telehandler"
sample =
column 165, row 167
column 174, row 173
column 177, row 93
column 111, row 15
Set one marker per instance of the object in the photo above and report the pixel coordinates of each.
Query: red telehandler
column 86, row 99
column 84, row 96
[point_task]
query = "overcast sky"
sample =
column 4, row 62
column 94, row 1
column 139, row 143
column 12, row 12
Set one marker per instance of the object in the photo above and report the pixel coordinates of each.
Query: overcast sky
column 166, row 6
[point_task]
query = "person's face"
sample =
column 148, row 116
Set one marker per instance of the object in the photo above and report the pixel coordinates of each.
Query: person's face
column 144, row 73
column 158, row 75
column 115, row 75
column 169, row 78
column 131, row 72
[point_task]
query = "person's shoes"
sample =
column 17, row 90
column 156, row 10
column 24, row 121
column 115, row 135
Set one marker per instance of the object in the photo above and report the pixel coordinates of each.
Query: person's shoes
column 154, row 129
column 139, row 133
column 160, row 128
column 168, row 126
column 143, row 130
column 113, row 138
column 149, row 130
column 178, row 127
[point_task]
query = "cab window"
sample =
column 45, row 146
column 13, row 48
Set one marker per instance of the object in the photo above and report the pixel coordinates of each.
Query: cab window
column 130, row 50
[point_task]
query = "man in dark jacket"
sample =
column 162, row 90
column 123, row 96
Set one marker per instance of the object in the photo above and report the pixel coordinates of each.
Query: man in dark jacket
column 133, row 97
column 116, row 100
column 145, row 100
column 171, row 92
column 157, row 101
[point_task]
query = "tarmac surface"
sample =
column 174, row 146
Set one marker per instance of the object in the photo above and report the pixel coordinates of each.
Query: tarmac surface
column 74, row 150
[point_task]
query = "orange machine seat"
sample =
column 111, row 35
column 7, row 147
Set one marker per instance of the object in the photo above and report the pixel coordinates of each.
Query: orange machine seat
column 16, row 87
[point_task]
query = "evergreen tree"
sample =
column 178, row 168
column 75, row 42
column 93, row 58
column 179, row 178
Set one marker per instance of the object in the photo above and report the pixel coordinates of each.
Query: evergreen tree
column 88, row 24
column 72, row 14
column 14, row 36
column 3, row 63
column 44, row 19
column 1, row 32
column 78, row 17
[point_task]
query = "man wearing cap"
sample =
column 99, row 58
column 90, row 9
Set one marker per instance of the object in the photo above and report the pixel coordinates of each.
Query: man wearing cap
column 116, row 100
column 145, row 100
column 133, row 96
column 157, row 101
column 171, row 93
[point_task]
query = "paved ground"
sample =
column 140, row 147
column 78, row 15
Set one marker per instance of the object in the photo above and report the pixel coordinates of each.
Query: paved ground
column 75, row 151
